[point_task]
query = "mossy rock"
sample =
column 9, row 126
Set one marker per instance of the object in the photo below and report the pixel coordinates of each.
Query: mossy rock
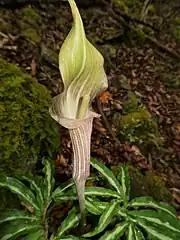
column 137, row 127
column 27, row 131
column 147, row 184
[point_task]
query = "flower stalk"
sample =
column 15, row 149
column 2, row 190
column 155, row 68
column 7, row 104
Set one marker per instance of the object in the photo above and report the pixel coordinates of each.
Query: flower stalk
column 82, row 71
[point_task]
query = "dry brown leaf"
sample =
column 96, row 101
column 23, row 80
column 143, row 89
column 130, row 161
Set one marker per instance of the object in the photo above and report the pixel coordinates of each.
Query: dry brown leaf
column 60, row 160
column 105, row 96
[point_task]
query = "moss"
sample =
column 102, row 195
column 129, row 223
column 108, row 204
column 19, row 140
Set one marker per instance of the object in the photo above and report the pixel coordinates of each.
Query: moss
column 131, row 104
column 31, row 34
column 147, row 184
column 27, row 131
column 31, row 16
column 139, row 128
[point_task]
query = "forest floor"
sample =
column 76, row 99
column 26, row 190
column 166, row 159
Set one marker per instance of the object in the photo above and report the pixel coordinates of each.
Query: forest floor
column 140, row 124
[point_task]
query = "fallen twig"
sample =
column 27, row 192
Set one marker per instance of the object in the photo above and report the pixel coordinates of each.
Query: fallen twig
column 163, row 47
column 124, row 19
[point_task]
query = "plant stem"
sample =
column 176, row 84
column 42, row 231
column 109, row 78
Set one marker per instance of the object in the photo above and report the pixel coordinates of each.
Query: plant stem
column 80, row 183
column 45, row 223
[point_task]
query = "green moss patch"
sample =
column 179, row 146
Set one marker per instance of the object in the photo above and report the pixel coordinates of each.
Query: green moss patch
column 27, row 131
column 137, row 125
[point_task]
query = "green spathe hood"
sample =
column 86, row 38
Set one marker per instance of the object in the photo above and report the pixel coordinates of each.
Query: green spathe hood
column 82, row 70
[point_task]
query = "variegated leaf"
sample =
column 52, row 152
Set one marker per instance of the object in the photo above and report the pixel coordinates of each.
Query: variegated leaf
column 160, row 218
column 149, row 202
column 37, row 189
column 92, row 207
column 103, row 192
column 15, row 229
column 116, row 233
column 122, row 211
column 11, row 215
column 62, row 188
column 125, row 181
column 105, row 172
column 157, row 231
column 65, row 197
column 71, row 221
column 105, row 218
column 133, row 233
column 70, row 237
column 23, row 192
column 48, row 180
column 36, row 235
column 130, row 235
column 138, row 234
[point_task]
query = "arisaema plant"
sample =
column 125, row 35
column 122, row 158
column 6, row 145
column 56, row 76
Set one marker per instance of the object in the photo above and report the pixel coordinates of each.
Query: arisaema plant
column 83, row 75
column 36, row 196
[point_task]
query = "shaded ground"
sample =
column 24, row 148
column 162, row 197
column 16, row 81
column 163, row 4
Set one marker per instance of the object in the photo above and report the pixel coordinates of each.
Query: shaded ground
column 31, row 38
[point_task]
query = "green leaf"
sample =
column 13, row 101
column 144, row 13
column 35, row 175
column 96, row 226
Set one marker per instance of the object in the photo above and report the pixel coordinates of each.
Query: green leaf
column 158, row 231
column 36, row 235
column 60, row 190
column 133, row 233
column 100, row 191
column 125, row 181
column 101, row 168
column 65, row 197
column 150, row 202
column 16, row 229
column 116, row 233
column 138, row 234
column 93, row 207
column 11, row 214
column 24, row 193
column 49, row 180
column 160, row 218
column 37, row 189
column 130, row 232
column 105, row 218
column 122, row 211
column 71, row 221
column 70, row 237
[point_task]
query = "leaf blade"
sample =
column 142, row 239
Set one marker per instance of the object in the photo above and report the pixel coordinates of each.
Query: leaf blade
column 100, row 191
column 11, row 215
column 150, row 202
column 71, row 221
column 159, row 218
column 125, row 181
column 116, row 233
column 105, row 218
column 48, row 180
column 107, row 174
column 38, row 190
column 14, row 230
column 17, row 187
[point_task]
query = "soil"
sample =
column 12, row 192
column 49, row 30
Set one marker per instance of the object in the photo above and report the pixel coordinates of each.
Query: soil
column 31, row 37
